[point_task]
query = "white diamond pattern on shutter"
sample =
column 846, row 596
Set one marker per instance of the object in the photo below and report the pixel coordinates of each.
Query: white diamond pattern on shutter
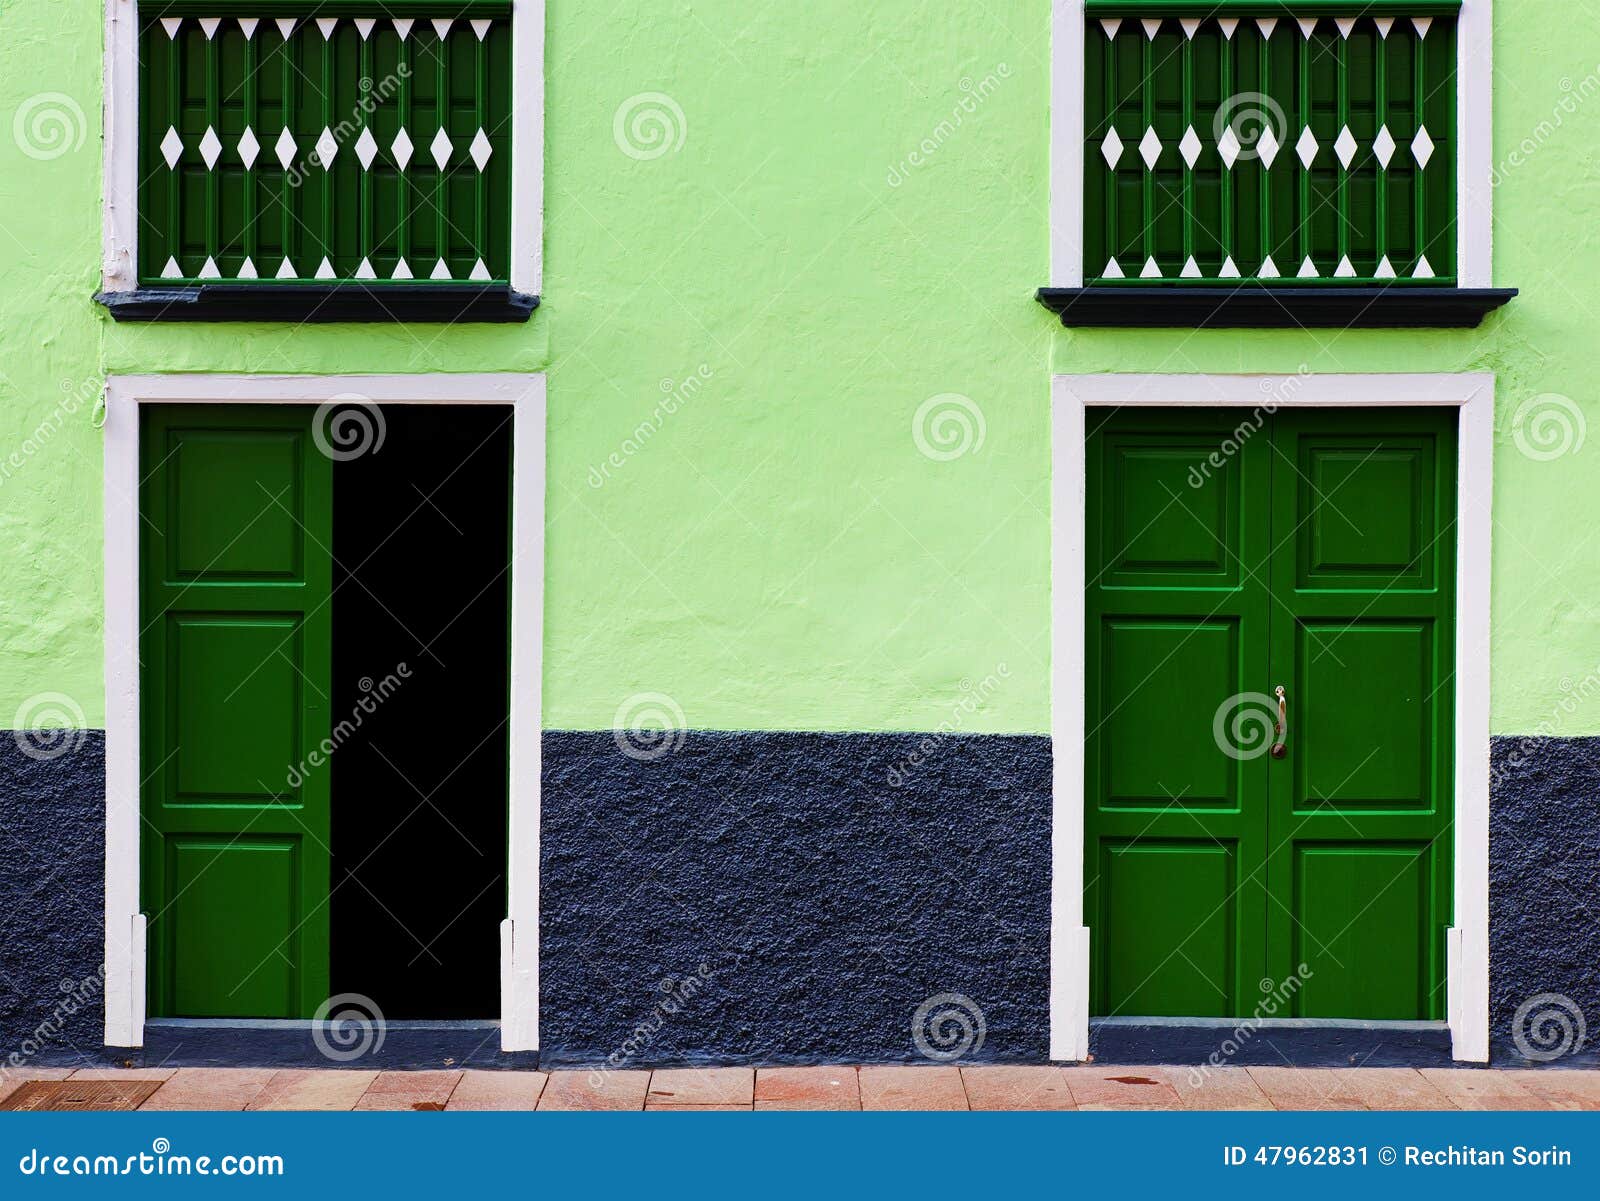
column 1228, row 147
column 1307, row 147
column 323, row 143
column 210, row 147
column 172, row 147
column 1267, row 147
column 1189, row 147
column 1345, row 147
column 401, row 148
column 1383, row 146
column 1422, row 146
column 1111, row 148
column 1250, row 138
column 481, row 150
column 1150, row 148
column 441, row 148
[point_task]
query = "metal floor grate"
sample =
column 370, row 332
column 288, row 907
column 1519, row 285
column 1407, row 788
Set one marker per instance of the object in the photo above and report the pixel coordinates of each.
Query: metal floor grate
column 81, row 1094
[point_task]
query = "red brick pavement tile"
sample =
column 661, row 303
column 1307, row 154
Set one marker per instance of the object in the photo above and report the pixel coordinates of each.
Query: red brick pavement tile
column 124, row 1073
column 920, row 1088
column 1006, row 1086
column 1483, row 1088
column 409, row 1090
column 215, row 1089
column 1216, row 1088
column 498, row 1090
column 320, row 1089
column 1121, row 1088
column 1391, row 1088
column 1306, row 1089
column 595, row 1090
column 808, row 1088
column 1566, row 1088
column 671, row 1087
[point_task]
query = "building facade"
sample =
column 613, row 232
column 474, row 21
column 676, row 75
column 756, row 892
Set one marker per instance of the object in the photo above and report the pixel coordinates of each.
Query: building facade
column 694, row 534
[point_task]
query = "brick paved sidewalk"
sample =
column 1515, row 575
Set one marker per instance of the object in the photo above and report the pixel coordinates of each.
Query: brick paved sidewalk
column 873, row 1088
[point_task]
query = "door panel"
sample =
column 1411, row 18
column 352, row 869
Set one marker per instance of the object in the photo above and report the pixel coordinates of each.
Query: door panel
column 1362, row 919
column 1170, row 957
column 1147, row 761
column 1361, row 748
column 233, row 926
column 1363, row 639
column 236, row 673
column 1174, row 886
column 1229, row 553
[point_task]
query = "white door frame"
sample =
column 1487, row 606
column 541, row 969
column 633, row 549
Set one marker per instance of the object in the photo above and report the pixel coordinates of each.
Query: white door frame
column 1467, row 1003
column 125, row 951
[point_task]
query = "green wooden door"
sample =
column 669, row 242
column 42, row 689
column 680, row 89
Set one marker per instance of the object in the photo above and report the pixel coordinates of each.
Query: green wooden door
column 235, row 652
column 1229, row 554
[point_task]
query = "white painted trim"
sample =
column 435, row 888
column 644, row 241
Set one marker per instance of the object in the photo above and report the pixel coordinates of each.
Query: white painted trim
column 1069, row 939
column 1066, row 144
column 1474, row 138
column 519, row 1029
column 527, row 146
column 119, row 270
column 124, row 961
column 120, row 239
column 1468, row 1002
column 124, row 923
column 1467, row 1005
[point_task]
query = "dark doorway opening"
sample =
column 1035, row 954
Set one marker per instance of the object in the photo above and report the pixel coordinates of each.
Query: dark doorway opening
column 421, row 634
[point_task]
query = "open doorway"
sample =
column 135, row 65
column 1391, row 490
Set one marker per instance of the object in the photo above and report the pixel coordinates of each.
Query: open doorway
column 421, row 549
column 324, row 642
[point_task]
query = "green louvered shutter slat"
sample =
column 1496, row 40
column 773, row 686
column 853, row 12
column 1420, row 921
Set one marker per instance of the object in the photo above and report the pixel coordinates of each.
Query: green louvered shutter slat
column 292, row 149
column 1265, row 146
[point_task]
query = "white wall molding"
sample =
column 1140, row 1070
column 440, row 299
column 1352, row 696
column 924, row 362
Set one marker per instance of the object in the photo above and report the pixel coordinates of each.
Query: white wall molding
column 1066, row 144
column 1467, row 1005
column 125, row 956
column 527, row 146
column 1475, row 137
column 119, row 268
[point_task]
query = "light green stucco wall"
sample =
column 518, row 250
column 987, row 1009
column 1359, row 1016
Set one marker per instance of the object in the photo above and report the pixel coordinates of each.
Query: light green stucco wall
column 778, row 552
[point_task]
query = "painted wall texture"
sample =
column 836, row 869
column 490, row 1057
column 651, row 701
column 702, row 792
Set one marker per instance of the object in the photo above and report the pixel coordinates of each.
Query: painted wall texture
column 799, row 453
column 750, row 293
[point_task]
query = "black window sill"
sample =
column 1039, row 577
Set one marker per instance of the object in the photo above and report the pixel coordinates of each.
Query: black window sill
column 1257, row 306
column 321, row 303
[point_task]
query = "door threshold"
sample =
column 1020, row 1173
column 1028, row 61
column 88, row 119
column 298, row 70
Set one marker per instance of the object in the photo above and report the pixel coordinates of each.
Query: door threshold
column 1269, row 1042
column 1275, row 1023
column 290, row 1043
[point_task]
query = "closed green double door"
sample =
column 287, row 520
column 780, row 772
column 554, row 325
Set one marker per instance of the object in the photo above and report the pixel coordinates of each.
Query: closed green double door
column 1242, row 847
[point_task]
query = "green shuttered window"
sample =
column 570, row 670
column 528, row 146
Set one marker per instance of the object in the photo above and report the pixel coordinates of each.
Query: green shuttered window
column 325, row 143
column 1258, row 143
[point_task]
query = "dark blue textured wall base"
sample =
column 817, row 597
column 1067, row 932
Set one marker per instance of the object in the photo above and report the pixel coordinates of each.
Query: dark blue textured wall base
column 825, row 903
column 1544, row 898
column 52, row 909
column 774, row 898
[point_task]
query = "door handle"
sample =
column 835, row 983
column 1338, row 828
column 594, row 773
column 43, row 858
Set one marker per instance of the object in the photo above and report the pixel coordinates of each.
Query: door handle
column 1280, row 747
